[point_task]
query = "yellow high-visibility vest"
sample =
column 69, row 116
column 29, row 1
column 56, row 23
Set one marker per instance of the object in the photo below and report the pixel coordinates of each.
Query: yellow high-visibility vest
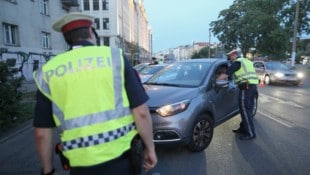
column 246, row 73
column 89, row 102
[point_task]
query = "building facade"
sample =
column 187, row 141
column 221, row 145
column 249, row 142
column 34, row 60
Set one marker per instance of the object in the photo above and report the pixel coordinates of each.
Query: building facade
column 123, row 24
column 27, row 39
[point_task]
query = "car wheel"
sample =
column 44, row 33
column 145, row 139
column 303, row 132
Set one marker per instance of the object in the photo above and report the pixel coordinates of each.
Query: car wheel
column 255, row 105
column 267, row 80
column 202, row 134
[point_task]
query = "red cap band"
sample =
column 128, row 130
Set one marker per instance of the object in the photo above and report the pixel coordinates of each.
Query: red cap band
column 76, row 24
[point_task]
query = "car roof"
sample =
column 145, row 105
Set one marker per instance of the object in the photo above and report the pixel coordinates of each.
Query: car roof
column 267, row 61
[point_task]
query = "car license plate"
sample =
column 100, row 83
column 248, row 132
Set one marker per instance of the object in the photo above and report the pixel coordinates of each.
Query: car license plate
column 291, row 79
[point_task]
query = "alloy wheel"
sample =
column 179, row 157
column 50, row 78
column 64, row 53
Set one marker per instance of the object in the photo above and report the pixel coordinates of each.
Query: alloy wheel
column 202, row 134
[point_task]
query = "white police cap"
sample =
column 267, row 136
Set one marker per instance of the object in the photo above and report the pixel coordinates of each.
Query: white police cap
column 73, row 21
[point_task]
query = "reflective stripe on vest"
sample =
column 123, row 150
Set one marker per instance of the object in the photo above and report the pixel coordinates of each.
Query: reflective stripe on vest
column 246, row 72
column 98, row 138
column 79, row 133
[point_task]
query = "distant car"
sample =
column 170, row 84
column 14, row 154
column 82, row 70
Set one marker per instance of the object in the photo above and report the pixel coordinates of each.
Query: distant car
column 150, row 70
column 274, row 72
column 187, row 102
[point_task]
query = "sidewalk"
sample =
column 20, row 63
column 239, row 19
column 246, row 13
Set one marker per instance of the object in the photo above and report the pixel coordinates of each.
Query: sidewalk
column 11, row 132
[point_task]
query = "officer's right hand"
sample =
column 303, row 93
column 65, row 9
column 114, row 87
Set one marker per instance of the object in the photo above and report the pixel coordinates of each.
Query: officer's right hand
column 150, row 159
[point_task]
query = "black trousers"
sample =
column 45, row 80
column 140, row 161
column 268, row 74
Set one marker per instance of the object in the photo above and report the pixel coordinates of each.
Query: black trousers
column 246, row 106
column 118, row 166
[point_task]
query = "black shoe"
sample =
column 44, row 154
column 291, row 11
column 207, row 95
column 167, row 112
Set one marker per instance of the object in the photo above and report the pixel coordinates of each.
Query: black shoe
column 247, row 137
column 238, row 131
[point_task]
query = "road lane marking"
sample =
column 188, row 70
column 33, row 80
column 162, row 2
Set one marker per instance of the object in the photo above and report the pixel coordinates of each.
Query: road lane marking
column 275, row 119
column 263, row 98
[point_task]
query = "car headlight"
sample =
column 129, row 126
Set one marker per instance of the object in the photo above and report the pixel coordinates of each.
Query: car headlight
column 173, row 109
column 279, row 74
column 300, row 75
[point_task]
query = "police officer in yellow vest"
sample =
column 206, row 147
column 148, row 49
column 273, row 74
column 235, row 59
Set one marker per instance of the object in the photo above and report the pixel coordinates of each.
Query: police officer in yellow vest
column 94, row 98
column 245, row 77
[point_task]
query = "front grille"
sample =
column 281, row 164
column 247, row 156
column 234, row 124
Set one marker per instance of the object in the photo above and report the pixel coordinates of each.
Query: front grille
column 290, row 75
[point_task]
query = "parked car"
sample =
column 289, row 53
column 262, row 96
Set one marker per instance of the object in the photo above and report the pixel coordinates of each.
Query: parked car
column 187, row 102
column 150, row 70
column 140, row 66
column 272, row 72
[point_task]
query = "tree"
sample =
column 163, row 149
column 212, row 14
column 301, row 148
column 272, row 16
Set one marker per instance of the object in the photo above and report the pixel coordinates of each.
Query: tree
column 303, row 49
column 265, row 25
column 202, row 53
column 10, row 95
column 133, row 50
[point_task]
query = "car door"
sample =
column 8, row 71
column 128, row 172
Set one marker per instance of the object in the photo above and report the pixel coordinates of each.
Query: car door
column 223, row 99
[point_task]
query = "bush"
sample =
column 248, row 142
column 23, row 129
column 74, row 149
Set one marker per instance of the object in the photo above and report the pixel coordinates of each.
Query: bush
column 10, row 96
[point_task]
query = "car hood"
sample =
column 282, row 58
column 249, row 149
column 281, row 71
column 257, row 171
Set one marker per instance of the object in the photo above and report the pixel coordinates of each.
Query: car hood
column 163, row 95
column 283, row 71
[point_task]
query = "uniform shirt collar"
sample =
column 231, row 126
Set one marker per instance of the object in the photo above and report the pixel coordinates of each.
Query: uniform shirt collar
column 81, row 44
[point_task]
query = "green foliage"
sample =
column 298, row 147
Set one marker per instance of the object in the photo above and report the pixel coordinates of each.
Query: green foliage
column 10, row 96
column 133, row 50
column 266, row 25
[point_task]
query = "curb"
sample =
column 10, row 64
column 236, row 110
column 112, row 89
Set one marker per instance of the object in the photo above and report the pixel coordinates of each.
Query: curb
column 11, row 132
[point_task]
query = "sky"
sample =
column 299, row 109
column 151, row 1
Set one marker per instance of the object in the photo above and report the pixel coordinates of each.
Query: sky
column 180, row 22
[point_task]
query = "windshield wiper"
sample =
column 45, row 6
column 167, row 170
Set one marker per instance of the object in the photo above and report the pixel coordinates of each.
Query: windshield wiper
column 162, row 84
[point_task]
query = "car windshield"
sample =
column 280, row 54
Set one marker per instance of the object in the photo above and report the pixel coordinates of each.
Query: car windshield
column 181, row 74
column 151, row 69
column 276, row 66
column 139, row 67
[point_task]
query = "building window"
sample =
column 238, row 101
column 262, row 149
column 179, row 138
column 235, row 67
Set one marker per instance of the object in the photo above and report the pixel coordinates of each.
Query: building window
column 105, row 5
column 86, row 5
column 44, row 7
column 97, row 23
column 10, row 34
column 45, row 40
column 35, row 65
column 11, row 62
column 95, row 4
column 105, row 24
column 106, row 41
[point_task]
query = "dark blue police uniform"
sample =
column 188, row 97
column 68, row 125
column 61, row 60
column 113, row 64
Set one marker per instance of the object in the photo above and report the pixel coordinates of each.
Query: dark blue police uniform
column 246, row 105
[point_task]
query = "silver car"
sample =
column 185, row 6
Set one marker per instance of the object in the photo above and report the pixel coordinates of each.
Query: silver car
column 187, row 102
column 277, row 72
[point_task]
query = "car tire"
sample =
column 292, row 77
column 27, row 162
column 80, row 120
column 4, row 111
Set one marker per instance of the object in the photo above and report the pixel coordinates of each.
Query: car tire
column 255, row 105
column 202, row 133
column 267, row 80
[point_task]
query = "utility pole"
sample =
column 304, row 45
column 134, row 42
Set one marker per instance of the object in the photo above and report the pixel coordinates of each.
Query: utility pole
column 209, row 43
column 295, row 33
